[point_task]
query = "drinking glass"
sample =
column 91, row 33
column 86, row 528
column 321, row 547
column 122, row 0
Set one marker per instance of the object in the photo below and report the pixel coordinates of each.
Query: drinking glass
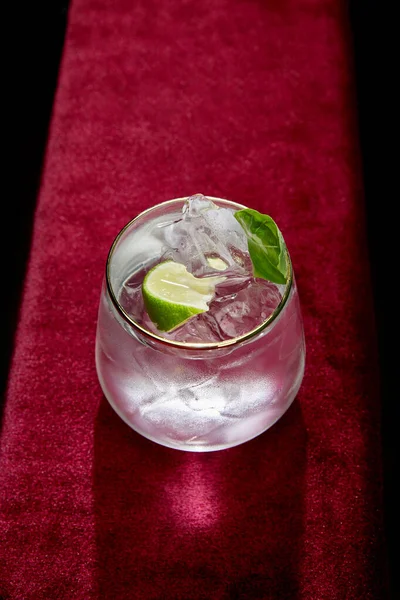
column 193, row 396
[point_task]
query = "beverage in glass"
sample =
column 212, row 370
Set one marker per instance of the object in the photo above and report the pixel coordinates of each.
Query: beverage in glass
column 227, row 372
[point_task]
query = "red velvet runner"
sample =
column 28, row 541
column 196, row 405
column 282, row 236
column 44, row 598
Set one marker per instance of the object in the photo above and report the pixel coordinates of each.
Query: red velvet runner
column 249, row 100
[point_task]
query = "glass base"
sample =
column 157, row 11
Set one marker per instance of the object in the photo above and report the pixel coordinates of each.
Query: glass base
column 227, row 432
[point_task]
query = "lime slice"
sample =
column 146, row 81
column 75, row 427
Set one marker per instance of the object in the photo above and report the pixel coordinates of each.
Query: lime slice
column 172, row 295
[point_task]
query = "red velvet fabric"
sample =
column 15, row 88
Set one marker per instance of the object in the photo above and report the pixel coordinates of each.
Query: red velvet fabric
column 250, row 100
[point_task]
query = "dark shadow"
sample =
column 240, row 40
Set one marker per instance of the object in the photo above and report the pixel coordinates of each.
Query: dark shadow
column 178, row 525
column 37, row 32
column 375, row 65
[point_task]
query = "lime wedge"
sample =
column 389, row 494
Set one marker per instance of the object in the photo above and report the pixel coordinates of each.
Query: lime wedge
column 172, row 295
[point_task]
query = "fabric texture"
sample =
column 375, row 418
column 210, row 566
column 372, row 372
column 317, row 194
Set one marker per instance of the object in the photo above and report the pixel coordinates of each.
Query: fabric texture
column 250, row 100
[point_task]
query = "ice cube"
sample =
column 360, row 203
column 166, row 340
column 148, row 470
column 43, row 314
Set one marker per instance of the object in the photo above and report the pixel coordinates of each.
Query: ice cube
column 197, row 205
column 204, row 231
column 198, row 330
column 131, row 299
column 178, row 421
column 236, row 314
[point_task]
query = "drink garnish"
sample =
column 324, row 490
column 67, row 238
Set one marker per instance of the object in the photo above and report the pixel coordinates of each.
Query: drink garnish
column 172, row 295
column 266, row 245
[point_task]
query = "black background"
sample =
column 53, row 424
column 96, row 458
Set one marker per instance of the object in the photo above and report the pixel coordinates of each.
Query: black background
column 37, row 33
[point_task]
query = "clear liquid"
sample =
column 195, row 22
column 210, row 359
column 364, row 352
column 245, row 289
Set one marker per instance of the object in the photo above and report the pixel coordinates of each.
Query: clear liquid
column 201, row 404
column 241, row 303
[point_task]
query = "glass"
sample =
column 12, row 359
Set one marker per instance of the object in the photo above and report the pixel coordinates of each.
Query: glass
column 196, row 397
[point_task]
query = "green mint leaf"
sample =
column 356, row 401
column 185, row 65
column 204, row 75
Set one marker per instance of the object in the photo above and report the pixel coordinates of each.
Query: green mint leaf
column 266, row 245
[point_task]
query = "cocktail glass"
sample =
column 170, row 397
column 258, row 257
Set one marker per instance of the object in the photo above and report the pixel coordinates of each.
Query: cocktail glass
column 193, row 396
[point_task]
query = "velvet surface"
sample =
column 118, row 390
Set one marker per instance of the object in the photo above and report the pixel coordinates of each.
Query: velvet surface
column 250, row 100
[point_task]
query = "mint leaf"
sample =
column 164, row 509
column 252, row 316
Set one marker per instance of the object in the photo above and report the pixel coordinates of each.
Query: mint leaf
column 266, row 245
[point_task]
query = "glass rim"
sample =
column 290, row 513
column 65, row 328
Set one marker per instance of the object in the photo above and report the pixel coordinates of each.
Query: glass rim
column 191, row 345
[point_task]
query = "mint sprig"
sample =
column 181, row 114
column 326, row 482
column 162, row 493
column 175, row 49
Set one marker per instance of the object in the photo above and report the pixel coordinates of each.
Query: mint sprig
column 266, row 245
